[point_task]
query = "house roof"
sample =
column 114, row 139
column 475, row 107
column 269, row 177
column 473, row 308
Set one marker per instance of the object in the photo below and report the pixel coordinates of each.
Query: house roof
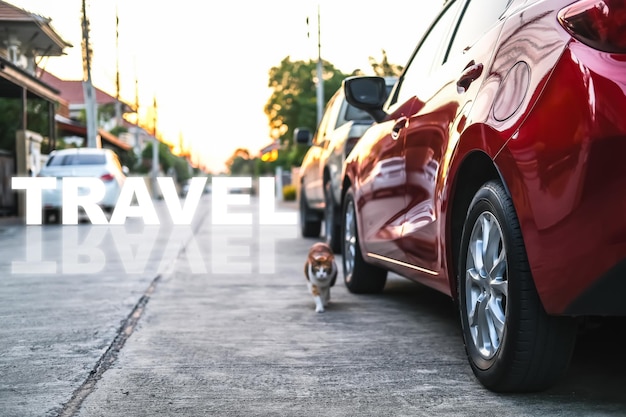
column 34, row 31
column 72, row 91
column 13, row 79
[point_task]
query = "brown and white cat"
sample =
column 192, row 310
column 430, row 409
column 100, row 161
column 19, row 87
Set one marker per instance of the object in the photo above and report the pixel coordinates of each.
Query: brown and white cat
column 320, row 270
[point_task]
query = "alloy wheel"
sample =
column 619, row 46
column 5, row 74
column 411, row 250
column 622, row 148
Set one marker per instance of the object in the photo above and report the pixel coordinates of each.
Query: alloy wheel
column 486, row 285
column 349, row 242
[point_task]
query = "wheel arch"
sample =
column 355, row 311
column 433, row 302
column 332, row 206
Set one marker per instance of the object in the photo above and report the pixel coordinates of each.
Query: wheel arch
column 475, row 170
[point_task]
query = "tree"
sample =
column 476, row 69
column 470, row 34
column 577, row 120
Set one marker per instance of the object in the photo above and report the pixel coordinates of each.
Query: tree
column 240, row 163
column 37, row 116
column 293, row 103
column 127, row 159
column 384, row 68
column 167, row 161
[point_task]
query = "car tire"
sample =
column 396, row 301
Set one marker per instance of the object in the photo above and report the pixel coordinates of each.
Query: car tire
column 332, row 225
column 310, row 220
column 511, row 343
column 359, row 276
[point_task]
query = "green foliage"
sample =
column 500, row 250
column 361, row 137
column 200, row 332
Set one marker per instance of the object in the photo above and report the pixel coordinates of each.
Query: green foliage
column 181, row 167
column 241, row 166
column 117, row 130
column 263, row 168
column 37, row 119
column 10, row 109
column 82, row 116
column 106, row 111
column 384, row 68
column 289, row 192
column 240, row 163
column 293, row 103
column 61, row 144
column 167, row 161
column 128, row 159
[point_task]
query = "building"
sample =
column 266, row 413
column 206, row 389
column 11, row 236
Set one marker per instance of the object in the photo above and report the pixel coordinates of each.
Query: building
column 72, row 130
column 26, row 102
column 38, row 109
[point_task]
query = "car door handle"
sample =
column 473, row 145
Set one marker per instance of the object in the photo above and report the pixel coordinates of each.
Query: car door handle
column 471, row 72
column 395, row 132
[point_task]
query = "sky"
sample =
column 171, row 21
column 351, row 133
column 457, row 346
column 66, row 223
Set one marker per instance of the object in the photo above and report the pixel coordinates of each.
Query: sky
column 208, row 66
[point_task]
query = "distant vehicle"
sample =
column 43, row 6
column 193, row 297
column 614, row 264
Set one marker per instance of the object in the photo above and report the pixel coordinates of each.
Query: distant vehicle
column 82, row 162
column 495, row 174
column 320, row 173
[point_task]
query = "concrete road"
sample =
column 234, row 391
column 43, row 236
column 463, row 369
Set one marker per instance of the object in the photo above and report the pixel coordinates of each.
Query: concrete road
column 225, row 327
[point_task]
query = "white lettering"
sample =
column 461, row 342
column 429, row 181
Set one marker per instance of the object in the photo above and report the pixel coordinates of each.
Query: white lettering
column 222, row 251
column 221, row 200
column 134, row 186
column 34, row 263
column 134, row 249
column 74, row 250
column 182, row 243
column 72, row 187
column 184, row 214
column 88, row 192
column 33, row 187
column 266, row 205
column 268, row 236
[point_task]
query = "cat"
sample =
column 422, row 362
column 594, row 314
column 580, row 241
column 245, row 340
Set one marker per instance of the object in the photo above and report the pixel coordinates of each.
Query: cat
column 320, row 270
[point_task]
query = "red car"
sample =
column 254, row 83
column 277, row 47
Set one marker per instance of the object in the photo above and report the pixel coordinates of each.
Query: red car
column 494, row 173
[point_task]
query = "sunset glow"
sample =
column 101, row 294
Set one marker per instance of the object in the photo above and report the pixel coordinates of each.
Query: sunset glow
column 208, row 70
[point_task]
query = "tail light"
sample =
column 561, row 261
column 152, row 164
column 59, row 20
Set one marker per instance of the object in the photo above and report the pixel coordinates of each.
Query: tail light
column 600, row 24
column 107, row 177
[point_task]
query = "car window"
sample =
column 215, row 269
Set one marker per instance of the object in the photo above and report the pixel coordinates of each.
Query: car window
column 352, row 113
column 427, row 55
column 327, row 116
column 479, row 16
column 77, row 159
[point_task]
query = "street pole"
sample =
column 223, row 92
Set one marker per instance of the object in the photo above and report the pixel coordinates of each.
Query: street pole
column 320, row 78
column 155, row 151
column 89, row 92
column 138, row 147
column 118, row 87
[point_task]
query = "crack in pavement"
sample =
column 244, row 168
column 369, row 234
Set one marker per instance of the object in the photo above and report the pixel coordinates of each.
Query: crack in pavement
column 110, row 356
column 127, row 328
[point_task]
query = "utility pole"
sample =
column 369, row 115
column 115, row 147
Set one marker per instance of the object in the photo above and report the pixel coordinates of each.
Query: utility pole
column 89, row 92
column 320, row 77
column 118, row 103
column 138, row 145
column 155, row 150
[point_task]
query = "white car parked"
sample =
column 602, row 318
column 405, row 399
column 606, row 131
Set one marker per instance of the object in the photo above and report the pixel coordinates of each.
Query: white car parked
column 82, row 162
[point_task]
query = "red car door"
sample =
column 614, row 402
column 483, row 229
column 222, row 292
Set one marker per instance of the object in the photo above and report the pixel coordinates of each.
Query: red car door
column 434, row 128
column 380, row 194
